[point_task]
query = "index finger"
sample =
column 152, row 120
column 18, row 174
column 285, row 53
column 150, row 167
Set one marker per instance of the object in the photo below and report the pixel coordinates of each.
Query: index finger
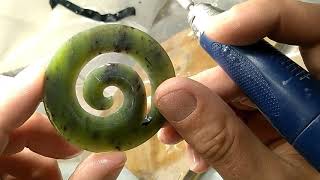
column 38, row 135
column 19, row 98
column 288, row 21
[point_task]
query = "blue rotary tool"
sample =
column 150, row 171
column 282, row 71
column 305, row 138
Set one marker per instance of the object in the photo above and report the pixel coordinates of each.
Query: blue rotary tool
column 287, row 95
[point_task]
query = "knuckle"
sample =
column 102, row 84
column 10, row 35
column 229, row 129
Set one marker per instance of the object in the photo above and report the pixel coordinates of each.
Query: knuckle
column 214, row 146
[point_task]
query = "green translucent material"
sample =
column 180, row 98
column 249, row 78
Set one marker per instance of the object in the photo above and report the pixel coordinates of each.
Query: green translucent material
column 130, row 125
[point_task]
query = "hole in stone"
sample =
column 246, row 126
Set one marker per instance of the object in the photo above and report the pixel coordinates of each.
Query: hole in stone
column 118, row 98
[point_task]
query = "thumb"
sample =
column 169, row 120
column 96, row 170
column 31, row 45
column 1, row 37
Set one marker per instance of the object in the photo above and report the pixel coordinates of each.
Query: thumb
column 100, row 166
column 213, row 130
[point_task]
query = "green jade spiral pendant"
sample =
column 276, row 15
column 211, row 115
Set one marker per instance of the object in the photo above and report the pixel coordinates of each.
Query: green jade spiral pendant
column 130, row 125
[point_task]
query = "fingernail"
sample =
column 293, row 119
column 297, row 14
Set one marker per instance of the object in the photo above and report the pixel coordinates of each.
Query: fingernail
column 114, row 174
column 102, row 165
column 77, row 153
column 199, row 165
column 247, row 102
column 177, row 105
column 196, row 163
column 244, row 103
column 193, row 159
column 4, row 142
column 116, row 161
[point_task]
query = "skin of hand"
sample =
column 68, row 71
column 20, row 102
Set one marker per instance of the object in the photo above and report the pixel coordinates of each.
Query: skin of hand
column 29, row 145
column 211, row 114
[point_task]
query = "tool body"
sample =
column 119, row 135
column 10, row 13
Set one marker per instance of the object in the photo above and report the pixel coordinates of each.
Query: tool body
column 284, row 92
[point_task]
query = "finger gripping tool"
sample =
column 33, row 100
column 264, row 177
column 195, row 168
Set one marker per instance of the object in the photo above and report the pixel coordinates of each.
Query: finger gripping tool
column 286, row 94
